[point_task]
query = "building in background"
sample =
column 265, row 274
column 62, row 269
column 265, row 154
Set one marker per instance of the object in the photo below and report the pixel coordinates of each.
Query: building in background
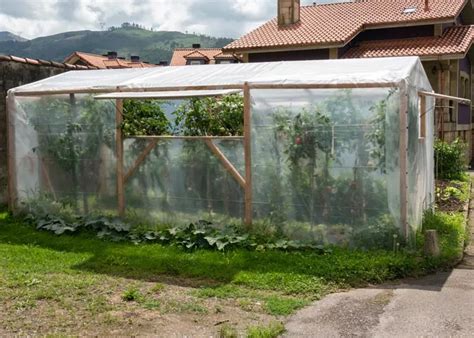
column 438, row 31
column 201, row 56
column 109, row 61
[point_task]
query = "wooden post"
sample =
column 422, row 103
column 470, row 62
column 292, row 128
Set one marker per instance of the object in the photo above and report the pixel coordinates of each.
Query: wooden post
column 248, row 156
column 11, row 161
column 403, row 153
column 119, row 156
column 423, row 113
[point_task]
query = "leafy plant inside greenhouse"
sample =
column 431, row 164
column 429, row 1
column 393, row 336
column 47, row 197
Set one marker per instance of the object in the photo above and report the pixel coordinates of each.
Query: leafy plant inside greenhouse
column 305, row 197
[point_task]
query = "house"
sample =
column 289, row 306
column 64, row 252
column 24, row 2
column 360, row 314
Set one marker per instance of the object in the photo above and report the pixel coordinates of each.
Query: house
column 201, row 56
column 109, row 61
column 440, row 32
column 16, row 71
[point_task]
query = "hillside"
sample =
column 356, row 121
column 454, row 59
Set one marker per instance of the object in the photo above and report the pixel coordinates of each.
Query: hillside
column 7, row 36
column 149, row 45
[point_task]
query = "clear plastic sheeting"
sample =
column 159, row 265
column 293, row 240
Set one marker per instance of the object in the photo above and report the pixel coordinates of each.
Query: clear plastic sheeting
column 327, row 163
column 324, row 72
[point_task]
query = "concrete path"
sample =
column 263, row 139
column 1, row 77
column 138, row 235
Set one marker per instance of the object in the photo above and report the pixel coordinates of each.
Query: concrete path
column 440, row 305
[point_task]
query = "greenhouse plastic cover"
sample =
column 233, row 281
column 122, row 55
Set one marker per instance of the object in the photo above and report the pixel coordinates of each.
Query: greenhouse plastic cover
column 182, row 177
column 347, row 71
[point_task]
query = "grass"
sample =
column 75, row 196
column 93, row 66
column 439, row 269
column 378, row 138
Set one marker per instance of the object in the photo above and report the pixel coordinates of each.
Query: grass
column 49, row 278
column 273, row 330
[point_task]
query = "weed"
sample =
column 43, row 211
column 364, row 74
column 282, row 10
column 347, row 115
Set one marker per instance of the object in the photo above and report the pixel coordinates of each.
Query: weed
column 271, row 331
column 282, row 306
column 157, row 288
column 132, row 294
column 227, row 331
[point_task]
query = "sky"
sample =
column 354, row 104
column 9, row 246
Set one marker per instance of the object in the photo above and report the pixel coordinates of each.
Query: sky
column 219, row 18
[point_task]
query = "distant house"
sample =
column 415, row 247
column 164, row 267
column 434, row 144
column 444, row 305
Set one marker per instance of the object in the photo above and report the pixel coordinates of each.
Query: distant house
column 109, row 61
column 438, row 31
column 201, row 56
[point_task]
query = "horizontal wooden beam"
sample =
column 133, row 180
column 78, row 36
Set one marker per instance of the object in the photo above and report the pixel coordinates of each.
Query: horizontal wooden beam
column 209, row 87
column 226, row 163
column 445, row 97
column 197, row 138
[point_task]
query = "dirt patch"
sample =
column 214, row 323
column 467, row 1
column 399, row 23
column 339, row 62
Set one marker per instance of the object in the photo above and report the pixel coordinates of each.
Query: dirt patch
column 447, row 197
column 163, row 309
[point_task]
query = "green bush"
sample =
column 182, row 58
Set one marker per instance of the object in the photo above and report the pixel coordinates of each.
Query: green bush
column 450, row 160
column 451, row 230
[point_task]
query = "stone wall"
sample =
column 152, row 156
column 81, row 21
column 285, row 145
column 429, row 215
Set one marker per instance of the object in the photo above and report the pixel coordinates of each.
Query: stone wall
column 15, row 72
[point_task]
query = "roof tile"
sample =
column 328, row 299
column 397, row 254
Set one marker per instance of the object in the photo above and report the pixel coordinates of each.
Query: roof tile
column 337, row 24
column 455, row 40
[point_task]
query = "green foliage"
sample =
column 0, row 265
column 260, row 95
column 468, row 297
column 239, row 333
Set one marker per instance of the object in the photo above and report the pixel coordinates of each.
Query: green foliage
column 450, row 160
column 273, row 330
column 211, row 116
column 451, row 230
column 199, row 235
column 380, row 233
column 283, row 306
column 144, row 117
column 152, row 46
column 228, row 331
column 132, row 294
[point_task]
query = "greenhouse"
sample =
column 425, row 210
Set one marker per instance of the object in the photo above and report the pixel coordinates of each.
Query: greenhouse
column 318, row 151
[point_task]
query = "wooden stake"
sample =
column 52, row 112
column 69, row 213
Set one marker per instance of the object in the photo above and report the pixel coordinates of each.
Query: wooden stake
column 403, row 153
column 226, row 163
column 11, row 161
column 423, row 113
column 140, row 159
column 248, row 156
column 119, row 155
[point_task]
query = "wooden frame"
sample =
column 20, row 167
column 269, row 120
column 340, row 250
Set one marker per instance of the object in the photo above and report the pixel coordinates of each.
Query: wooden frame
column 403, row 154
column 119, row 155
column 11, row 161
column 212, row 87
column 245, row 182
column 248, row 156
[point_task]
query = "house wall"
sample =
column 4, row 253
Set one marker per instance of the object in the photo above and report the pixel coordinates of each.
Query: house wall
column 297, row 55
column 14, row 74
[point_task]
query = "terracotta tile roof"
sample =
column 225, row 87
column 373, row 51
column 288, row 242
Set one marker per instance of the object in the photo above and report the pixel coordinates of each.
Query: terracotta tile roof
column 336, row 24
column 196, row 54
column 455, row 40
column 39, row 62
column 180, row 55
column 103, row 62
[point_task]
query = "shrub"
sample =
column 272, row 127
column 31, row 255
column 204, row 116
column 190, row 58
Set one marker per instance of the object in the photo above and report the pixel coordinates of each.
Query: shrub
column 450, row 160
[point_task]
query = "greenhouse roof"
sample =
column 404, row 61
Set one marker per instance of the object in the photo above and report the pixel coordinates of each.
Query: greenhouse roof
column 356, row 72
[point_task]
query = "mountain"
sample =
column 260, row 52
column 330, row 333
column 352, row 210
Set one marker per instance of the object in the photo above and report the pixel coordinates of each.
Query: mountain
column 7, row 36
column 151, row 46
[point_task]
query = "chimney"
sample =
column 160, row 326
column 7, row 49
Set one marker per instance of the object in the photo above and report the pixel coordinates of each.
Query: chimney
column 196, row 45
column 427, row 5
column 288, row 12
column 135, row 58
column 112, row 55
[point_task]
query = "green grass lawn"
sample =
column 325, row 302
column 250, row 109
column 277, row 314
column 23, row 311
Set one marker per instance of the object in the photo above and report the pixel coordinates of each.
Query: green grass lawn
column 71, row 284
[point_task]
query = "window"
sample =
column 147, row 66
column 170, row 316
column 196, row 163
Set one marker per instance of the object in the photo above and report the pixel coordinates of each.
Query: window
column 222, row 62
column 195, row 62
column 465, row 88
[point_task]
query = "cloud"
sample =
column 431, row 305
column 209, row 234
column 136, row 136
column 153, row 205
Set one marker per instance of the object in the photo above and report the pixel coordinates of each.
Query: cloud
column 221, row 18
